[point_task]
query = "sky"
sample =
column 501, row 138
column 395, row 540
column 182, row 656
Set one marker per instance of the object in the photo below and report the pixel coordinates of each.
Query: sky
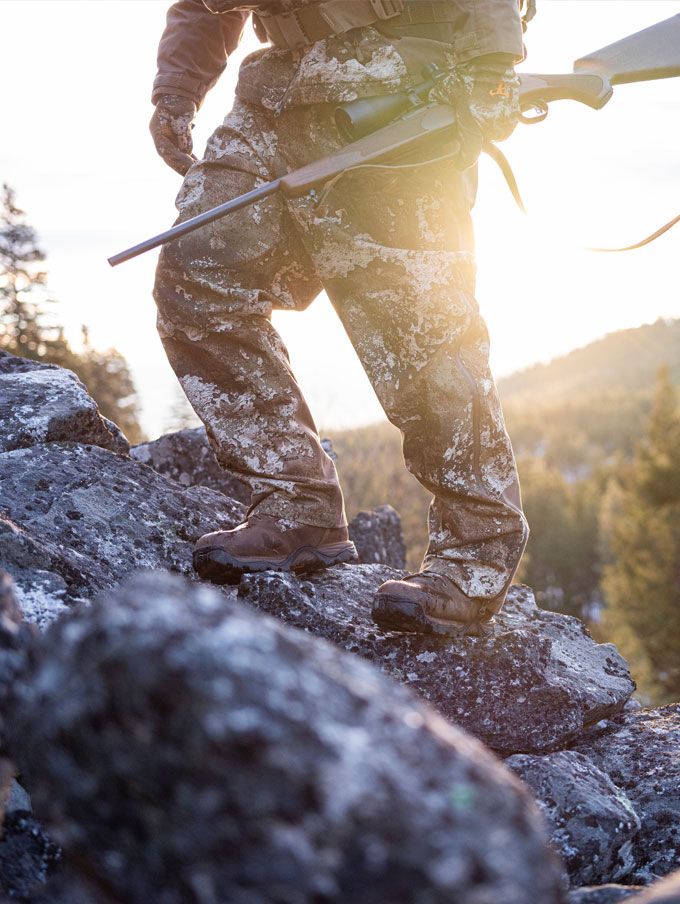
column 76, row 79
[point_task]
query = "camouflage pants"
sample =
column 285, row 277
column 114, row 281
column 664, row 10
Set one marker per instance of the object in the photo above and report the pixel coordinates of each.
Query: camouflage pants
column 394, row 250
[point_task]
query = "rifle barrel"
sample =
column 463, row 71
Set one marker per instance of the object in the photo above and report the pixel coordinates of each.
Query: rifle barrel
column 209, row 216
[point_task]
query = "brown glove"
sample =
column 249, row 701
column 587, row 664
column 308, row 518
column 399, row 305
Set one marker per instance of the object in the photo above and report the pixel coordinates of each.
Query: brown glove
column 170, row 127
column 486, row 99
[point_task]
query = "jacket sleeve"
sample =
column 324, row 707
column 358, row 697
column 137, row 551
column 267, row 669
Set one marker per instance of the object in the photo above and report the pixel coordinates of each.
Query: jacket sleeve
column 489, row 27
column 194, row 49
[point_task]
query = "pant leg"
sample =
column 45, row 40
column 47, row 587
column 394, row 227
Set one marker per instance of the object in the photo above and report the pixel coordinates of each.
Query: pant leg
column 395, row 251
column 215, row 290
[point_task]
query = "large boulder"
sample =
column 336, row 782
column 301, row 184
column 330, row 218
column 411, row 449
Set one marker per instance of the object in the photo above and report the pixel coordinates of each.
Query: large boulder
column 530, row 688
column 188, row 748
column 43, row 403
column 592, row 822
column 639, row 752
column 186, row 456
column 75, row 519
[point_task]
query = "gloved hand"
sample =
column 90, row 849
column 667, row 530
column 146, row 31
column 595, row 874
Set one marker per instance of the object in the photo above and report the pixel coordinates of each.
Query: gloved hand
column 170, row 127
column 485, row 96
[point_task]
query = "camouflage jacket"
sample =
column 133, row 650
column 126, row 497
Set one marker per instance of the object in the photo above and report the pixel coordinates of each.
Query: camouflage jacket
column 200, row 35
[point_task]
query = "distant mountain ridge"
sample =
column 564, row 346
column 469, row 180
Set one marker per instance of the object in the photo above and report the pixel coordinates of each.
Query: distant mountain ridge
column 625, row 360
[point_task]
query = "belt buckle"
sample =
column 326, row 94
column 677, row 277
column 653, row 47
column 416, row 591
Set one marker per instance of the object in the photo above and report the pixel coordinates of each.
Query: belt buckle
column 388, row 9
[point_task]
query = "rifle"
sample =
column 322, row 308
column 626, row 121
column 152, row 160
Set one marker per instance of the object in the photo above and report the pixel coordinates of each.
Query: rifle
column 380, row 128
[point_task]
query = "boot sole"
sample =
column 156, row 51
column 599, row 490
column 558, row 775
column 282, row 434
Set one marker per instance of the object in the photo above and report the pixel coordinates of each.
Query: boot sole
column 394, row 614
column 216, row 565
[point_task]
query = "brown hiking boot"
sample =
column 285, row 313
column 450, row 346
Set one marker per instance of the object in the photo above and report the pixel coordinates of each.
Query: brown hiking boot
column 261, row 544
column 430, row 603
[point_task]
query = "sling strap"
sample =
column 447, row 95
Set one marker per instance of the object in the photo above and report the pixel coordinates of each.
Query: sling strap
column 302, row 27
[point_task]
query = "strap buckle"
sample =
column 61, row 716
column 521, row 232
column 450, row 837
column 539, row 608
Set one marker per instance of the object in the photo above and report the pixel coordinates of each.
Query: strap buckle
column 388, row 9
column 286, row 30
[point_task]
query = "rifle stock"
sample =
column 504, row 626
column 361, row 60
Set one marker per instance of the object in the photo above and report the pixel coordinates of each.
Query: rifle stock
column 647, row 55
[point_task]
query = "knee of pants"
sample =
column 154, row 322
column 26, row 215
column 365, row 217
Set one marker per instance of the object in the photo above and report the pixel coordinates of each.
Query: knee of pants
column 194, row 293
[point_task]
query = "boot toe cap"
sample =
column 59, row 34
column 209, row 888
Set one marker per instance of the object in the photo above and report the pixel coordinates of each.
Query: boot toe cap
column 213, row 540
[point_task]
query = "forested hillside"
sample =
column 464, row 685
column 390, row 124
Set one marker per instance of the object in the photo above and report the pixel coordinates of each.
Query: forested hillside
column 581, row 426
column 625, row 360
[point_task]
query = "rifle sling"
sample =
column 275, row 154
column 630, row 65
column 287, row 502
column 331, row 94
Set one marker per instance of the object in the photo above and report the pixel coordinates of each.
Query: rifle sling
column 646, row 241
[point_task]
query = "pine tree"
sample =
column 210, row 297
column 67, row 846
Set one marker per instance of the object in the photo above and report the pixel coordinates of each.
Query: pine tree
column 25, row 327
column 641, row 530
column 109, row 381
column 561, row 561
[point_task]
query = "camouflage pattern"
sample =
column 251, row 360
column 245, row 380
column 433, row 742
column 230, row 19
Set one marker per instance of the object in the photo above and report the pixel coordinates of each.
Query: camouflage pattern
column 393, row 247
column 339, row 68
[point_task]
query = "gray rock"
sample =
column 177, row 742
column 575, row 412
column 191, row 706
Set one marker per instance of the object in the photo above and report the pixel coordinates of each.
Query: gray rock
column 639, row 752
column 214, row 754
column 604, row 894
column 664, row 892
column 592, row 822
column 16, row 799
column 28, row 856
column 531, row 688
column 186, row 456
column 43, row 403
column 76, row 519
column 378, row 538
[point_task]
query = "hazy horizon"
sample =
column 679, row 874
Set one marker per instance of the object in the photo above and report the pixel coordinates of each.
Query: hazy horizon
column 85, row 170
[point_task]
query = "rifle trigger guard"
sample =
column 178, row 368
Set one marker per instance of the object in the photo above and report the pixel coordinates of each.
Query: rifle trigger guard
column 540, row 108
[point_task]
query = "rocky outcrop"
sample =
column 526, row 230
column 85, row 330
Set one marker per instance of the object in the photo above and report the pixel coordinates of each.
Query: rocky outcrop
column 186, row 457
column 530, row 688
column 75, row 519
column 297, row 759
column 42, row 403
column 639, row 752
column 592, row 822
column 283, row 768
column 378, row 538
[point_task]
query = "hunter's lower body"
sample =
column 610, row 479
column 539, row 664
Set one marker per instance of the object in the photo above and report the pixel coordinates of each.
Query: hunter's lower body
column 393, row 248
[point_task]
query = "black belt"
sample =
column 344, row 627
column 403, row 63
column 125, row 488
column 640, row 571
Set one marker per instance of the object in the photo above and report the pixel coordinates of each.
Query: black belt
column 309, row 24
